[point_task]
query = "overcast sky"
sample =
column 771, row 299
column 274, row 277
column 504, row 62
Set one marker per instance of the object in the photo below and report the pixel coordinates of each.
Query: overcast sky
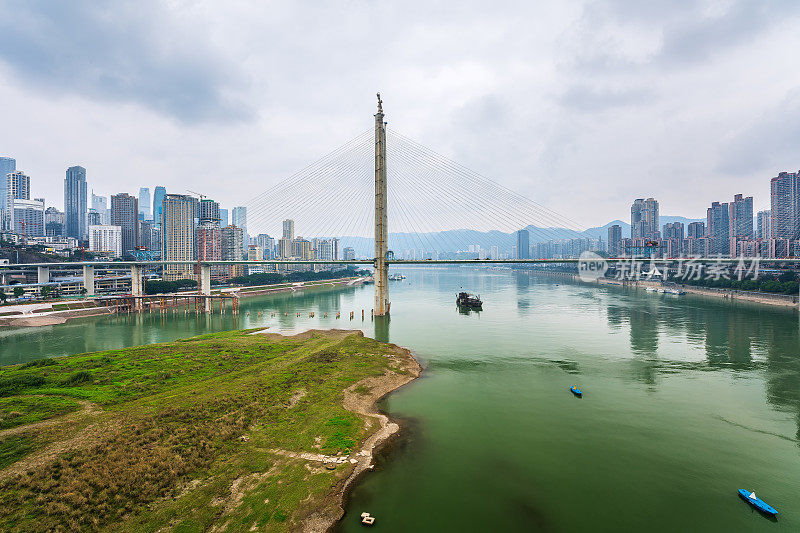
column 581, row 106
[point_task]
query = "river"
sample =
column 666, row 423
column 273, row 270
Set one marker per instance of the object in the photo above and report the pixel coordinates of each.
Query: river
column 686, row 400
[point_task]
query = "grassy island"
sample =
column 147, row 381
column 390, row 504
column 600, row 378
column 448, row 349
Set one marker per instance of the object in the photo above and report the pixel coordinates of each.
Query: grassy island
column 233, row 431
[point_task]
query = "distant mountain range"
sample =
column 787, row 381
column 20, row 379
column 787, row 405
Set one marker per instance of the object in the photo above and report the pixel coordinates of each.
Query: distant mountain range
column 455, row 240
column 626, row 228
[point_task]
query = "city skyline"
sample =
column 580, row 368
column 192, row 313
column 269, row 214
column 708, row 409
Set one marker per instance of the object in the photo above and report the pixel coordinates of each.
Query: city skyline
column 724, row 220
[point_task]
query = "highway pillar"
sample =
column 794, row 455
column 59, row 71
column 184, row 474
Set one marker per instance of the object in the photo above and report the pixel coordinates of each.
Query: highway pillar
column 43, row 274
column 205, row 286
column 88, row 279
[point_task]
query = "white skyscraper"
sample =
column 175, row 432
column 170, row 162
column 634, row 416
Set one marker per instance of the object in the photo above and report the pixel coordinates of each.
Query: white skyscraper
column 104, row 238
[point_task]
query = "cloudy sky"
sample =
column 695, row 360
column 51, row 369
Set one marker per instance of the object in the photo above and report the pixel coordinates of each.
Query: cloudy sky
column 581, row 106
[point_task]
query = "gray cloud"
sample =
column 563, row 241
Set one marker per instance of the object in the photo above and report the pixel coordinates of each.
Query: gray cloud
column 134, row 51
column 595, row 100
column 770, row 140
column 680, row 32
column 579, row 106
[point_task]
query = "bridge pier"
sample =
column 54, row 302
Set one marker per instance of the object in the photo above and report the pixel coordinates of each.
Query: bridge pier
column 205, row 286
column 88, row 279
column 137, row 285
column 43, row 275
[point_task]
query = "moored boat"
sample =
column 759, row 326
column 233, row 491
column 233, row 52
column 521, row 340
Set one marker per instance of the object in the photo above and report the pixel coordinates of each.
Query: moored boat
column 756, row 502
column 464, row 299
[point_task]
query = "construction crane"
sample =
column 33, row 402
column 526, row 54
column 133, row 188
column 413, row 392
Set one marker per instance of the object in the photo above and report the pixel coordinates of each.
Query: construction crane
column 202, row 196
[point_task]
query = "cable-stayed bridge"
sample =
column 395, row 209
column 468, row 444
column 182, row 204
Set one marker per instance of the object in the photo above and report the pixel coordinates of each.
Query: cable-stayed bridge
column 377, row 181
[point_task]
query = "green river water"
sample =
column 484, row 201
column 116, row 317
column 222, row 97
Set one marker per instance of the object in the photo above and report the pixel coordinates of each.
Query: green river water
column 686, row 400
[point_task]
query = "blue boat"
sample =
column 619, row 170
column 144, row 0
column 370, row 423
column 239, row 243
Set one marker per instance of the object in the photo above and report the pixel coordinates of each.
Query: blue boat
column 758, row 503
column 576, row 391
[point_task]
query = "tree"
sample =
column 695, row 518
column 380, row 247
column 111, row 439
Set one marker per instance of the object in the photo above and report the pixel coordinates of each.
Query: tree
column 3, row 296
column 44, row 291
column 18, row 291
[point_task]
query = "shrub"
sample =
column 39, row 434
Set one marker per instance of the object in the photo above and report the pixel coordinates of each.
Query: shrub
column 13, row 384
column 39, row 362
column 78, row 378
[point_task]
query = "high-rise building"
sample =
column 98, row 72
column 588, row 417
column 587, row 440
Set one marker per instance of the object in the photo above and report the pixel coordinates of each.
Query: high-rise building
column 144, row 203
column 695, row 230
column 785, row 206
column 718, row 228
column 75, row 202
column 209, row 211
column 284, row 248
column 158, row 201
column 27, row 216
column 23, row 215
column 326, row 249
column 155, row 238
column 523, row 245
column 239, row 219
column 673, row 230
column 105, row 238
column 335, row 249
column 223, row 218
column 125, row 214
column 53, row 222
column 8, row 165
column 18, row 186
column 301, row 248
column 100, row 204
column 266, row 243
column 288, row 229
column 672, row 239
column 740, row 217
column 93, row 218
column 209, row 246
column 231, row 243
column 762, row 224
column 232, row 250
column 148, row 236
column 348, row 254
column 178, row 235
column 615, row 241
column 644, row 219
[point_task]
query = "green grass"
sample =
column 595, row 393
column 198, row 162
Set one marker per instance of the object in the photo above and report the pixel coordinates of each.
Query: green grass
column 21, row 410
column 13, row 448
column 172, row 454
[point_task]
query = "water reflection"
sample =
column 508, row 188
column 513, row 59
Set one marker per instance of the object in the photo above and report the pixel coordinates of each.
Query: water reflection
column 382, row 328
column 733, row 336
